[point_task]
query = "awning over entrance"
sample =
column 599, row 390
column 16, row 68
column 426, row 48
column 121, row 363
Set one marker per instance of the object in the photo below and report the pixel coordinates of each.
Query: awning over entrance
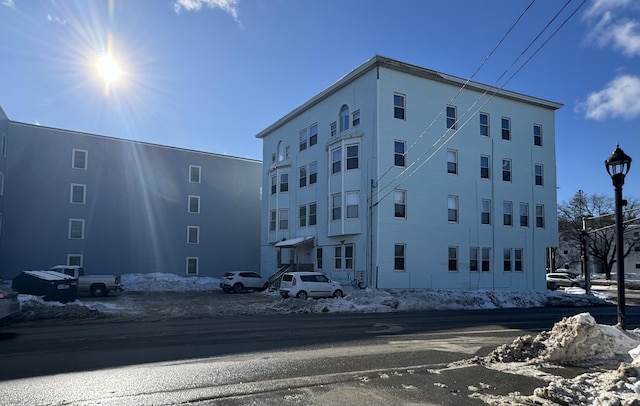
column 295, row 242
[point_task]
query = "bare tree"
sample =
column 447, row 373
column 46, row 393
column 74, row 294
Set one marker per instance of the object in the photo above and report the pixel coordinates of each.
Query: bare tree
column 601, row 227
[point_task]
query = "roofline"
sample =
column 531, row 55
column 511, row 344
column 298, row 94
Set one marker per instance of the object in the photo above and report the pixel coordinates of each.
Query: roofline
column 381, row 61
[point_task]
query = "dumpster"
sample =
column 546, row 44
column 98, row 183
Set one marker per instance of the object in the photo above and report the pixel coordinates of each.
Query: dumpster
column 54, row 286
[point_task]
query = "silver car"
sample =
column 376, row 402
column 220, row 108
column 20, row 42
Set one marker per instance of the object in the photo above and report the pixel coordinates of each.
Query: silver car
column 239, row 281
column 309, row 284
column 557, row 280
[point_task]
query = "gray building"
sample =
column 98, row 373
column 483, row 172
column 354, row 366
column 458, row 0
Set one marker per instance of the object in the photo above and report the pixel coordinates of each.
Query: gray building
column 119, row 206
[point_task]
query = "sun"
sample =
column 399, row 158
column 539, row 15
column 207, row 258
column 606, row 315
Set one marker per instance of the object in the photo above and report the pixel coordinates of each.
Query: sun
column 108, row 69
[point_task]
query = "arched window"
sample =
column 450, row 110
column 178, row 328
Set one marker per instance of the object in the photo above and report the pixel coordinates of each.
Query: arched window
column 344, row 117
column 280, row 151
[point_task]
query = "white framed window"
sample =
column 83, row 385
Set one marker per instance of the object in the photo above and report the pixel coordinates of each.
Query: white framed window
column 194, row 204
column 313, row 173
column 336, row 206
column 507, row 213
column 399, row 153
column 76, row 229
column 355, row 118
column 274, row 184
column 333, row 129
column 348, row 256
column 353, row 156
column 272, row 220
column 192, row 265
column 337, row 257
column 77, row 193
column 399, row 257
column 506, row 170
column 336, row 160
column 451, row 117
column 313, row 135
column 452, row 209
column 313, row 217
column 399, row 106
column 344, row 118
column 484, row 125
column 319, row 258
column 79, row 158
column 485, row 168
column 284, row 182
column 193, row 235
column 281, row 152
column 352, row 204
column 474, row 252
column 302, row 176
column 485, row 211
column 194, row 173
column 518, row 259
column 343, row 257
column 506, row 261
column 302, row 216
column 524, row 214
column 506, row 128
column 540, row 215
column 453, row 259
column 452, row 161
column 283, row 220
column 537, row 135
column 539, row 174
column 400, row 204
column 486, row 259
column 74, row 259
column 303, row 139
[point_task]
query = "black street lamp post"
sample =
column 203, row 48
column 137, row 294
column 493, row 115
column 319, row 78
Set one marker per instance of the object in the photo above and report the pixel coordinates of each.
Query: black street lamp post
column 618, row 165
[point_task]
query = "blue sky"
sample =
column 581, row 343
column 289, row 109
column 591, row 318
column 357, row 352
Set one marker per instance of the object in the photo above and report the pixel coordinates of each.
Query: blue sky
column 210, row 74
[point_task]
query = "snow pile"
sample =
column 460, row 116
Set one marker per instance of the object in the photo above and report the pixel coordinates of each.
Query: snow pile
column 167, row 282
column 576, row 341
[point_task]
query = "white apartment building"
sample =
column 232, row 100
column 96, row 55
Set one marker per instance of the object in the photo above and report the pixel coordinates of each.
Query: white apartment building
column 397, row 176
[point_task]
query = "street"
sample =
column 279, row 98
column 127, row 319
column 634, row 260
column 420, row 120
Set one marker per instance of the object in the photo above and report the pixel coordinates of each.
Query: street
column 272, row 359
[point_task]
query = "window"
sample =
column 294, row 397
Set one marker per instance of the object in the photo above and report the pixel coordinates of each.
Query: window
column 284, row 182
column 283, row 223
column 452, row 209
column 485, row 211
column 303, row 139
column 517, row 261
column 74, row 260
column 336, row 160
column 280, row 151
column 192, row 265
column 337, row 257
column 473, row 259
column 398, row 106
column 194, row 173
column 451, row 117
column 78, row 193
column 506, row 170
column 506, row 263
column 507, row 213
column 272, row 220
column 399, row 153
column 302, row 216
column 352, row 156
column 313, row 173
column 302, row 176
column 352, row 203
column 400, row 203
column 399, row 257
column 194, row 204
column 344, row 118
column 506, row 128
column 79, row 160
column 486, row 259
column 312, row 214
column 540, row 215
column 485, row 172
column 274, row 184
column 193, row 235
column 313, row 135
column 524, row 215
column 343, row 257
column 4, row 144
column 484, row 124
column 273, row 158
column 537, row 135
column 333, row 129
column 453, row 259
column 355, row 118
column 286, row 152
column 76, row 229
column 452, row 161
column 336, row 207
column 319, row 258
column 539, row 175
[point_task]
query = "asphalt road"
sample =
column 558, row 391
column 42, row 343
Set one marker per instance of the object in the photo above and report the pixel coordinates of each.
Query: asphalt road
column 274, row 359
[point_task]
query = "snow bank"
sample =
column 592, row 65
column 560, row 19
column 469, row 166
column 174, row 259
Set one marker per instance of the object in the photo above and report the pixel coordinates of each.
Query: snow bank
column 167, row 282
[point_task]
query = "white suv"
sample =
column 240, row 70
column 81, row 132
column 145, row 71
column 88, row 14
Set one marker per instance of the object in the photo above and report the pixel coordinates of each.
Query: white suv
column 309, row 284
column 239, row 281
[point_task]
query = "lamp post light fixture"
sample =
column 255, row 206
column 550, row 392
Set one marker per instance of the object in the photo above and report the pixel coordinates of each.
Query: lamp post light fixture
column 618, row 165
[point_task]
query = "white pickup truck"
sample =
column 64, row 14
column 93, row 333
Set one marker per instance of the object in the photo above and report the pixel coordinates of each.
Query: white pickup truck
column 96, row 285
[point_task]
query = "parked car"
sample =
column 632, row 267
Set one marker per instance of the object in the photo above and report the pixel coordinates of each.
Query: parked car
column 557, row 280
column 309, row 284
column 239, row 281
column 96, row 285
column 9, row 303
